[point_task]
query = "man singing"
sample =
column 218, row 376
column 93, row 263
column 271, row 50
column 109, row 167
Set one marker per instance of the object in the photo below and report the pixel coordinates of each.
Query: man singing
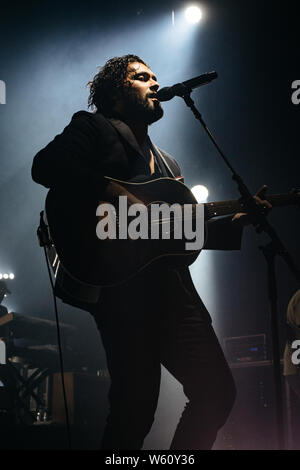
column 157, row 316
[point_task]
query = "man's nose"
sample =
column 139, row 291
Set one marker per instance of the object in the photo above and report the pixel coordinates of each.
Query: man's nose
column 154, row 86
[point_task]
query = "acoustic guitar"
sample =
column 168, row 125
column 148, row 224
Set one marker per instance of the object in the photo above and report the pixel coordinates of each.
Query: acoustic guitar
column 75, row 250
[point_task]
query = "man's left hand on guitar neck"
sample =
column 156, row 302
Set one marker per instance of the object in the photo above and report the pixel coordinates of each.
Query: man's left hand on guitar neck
column 243, row 219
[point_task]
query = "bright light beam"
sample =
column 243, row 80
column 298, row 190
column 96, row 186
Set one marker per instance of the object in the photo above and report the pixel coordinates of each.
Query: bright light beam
column 200, row 192
column 193, row 14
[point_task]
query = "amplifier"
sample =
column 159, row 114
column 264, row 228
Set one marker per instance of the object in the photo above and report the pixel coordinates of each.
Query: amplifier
column 86, row 397
column 252, row 422
column 245, row 348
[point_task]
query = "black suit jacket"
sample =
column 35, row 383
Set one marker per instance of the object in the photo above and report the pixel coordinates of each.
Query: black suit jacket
column 92, row 147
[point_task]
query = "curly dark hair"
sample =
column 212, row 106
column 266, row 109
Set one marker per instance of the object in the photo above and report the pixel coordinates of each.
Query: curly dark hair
column 108, row 80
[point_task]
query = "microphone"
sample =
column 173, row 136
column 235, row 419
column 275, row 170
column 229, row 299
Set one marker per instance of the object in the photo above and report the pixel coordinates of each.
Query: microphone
column 180, row 89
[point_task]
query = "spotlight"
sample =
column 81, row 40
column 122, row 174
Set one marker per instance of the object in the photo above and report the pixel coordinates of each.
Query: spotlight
column 193, row 14
column 7, row 276
column 200, row 192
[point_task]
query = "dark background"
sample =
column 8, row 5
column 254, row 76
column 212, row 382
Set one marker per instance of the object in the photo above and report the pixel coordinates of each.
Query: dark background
column 48, row 53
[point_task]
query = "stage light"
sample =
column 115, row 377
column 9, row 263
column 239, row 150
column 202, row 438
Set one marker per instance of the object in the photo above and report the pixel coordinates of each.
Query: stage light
column 7, row 276
column 200, row 192
column 193, row 14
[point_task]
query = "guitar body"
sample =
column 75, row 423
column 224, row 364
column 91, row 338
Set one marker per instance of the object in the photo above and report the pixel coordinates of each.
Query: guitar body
column 72, row 225
column 82, row 262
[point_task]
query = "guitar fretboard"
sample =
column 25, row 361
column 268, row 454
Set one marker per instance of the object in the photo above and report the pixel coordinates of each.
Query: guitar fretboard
column 216, row 209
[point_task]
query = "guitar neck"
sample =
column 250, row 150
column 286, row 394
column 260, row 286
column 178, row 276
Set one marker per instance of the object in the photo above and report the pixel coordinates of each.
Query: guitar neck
column 217, row 209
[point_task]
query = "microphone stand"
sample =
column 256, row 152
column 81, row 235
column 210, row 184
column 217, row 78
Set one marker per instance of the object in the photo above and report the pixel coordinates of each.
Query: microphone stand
column 270, row 250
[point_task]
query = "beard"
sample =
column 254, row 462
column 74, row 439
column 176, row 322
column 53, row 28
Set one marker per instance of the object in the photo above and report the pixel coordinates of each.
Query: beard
column 141, row 109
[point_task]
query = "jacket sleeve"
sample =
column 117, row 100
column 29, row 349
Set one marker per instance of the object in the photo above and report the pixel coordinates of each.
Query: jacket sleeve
column 223, row 234
column 70, row 157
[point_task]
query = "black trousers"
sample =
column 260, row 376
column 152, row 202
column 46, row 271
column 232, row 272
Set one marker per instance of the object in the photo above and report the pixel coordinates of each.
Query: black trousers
column 140, row 331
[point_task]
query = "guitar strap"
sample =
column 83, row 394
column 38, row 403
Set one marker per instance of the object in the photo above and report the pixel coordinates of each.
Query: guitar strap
column 163, row 159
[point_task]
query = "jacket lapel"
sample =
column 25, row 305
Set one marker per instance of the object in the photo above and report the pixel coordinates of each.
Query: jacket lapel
column 127, row 134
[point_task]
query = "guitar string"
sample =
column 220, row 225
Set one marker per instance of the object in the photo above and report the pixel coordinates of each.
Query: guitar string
column 210, row 212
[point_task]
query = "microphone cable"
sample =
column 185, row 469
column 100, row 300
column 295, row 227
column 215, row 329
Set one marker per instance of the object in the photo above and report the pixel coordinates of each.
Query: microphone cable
column 43, row 241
